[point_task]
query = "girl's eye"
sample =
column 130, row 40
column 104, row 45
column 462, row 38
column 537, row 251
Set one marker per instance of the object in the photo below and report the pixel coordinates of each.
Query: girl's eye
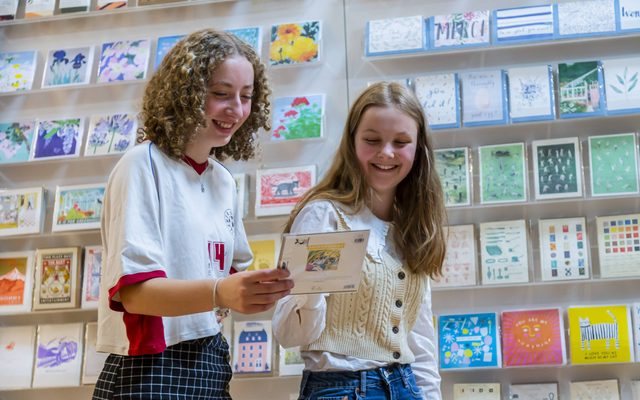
column 219, row 94
column 371, row 141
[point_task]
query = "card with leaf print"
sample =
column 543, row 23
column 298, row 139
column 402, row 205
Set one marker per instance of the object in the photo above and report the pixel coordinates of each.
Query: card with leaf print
column 58, row 138
column 557, row 168
column 296, row 43
column 484, row 97
column 621, row 87
column 564, row 250
column 17, row 69
column 503, row 173
column 628, row 12
column 464, row 29
column 439, row 95
column 111, row 134
column 394, row 36
column 123, row 60
column 298, row 117
column 613, row 162
column 250, row 35
column 531, row 93
column 453, row 169
column 580, row 89
column 21, row 211
column 68, row 67
column 16, row 138
column 585, row 18
column 522, row 24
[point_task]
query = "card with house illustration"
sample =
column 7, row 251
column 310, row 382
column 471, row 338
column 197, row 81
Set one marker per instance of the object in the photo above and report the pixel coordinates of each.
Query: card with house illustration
column 503, row 173
column 600, row 334
column 628, row 13
column 297, row 117
column 58, row 355
column 504, row 252
column 613, row 162
column 595, row 390
column 465, row 29
column 439, row 95
column 469, row 341
column 476, row 391
column 16, row 281
column 58, row 138
column 78, row 207
column 123, row 60
column 92, row 267
column 17, row 69
column 17, row 350
column 68, row 67
column 533, row 391
column 16, row 139
column 295, row 43
column 621, row 76
column 251, row 35
column 163, row 45
column 111, row 134
column 279, row 189
column 564, row 249
column 453, row 168
column 73, row 6
column 635, row 318
column 484, row 97
column 522, row 24
column 39, row 8
column 557, row 168
column 92, row 362
column 21, row 211
column 8, row 10
column 533, row 337
column 241, row 193
column 580, row 89
column 291, row 362
column 585, row 18
column 460, row 265
column 531, row 93
column 265, row 249
column 57, row 278
column 392, row 36
column 252, row 347
column 619, row 245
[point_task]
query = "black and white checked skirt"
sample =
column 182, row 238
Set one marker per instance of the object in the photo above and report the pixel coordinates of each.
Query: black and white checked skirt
column 194, row 369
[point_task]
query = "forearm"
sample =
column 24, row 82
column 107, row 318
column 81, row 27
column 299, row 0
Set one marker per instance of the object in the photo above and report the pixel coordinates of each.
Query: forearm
column 299, row 320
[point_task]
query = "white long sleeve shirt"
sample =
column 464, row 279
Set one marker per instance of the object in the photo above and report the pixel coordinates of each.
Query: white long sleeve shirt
column 299, row 320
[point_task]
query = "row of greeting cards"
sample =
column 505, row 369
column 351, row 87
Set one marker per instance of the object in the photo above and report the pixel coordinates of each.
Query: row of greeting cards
column 296, row 43
column 544, row 22
column 603, row 389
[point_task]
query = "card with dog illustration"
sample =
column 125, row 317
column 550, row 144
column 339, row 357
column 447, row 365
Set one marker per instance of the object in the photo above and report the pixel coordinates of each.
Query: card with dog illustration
column 279, row 189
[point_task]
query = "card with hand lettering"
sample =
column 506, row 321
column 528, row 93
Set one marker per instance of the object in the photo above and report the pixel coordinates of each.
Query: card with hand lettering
column 394, row 36
column 628, row 12
column 522, row 24
column 439, row 95
column 484, row 97
column 464, row 29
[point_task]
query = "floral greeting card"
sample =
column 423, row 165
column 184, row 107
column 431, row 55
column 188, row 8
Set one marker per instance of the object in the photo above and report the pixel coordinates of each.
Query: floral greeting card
column 16, row 139
column 295, row 43
column 621, row 87
column 16, row 70
column 298, row 117
column 68, row 67
column 124, row 60
column 111, row 134
column 58, row 138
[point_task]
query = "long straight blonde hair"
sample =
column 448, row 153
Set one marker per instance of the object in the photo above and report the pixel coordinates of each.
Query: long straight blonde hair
column 418, row 213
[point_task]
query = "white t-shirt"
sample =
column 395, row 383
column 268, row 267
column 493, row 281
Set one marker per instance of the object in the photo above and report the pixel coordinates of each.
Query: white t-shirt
column 161, row 219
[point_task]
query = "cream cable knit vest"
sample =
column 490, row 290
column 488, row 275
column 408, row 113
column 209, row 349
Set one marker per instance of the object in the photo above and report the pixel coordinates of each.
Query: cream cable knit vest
column 373, row 323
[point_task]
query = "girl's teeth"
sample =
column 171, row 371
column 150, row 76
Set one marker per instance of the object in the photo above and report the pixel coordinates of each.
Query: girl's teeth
column 224, row 124
column 385, row 167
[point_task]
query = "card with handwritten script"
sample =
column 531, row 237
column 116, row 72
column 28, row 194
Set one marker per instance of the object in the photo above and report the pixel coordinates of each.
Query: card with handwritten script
column 464, row 29
column 521, row 24
column 439, row 95
column 484, row 97
column 585, row 18
column 394, row 36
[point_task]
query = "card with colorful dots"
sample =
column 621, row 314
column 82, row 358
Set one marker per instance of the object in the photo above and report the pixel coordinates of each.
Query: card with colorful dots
column 619, row 245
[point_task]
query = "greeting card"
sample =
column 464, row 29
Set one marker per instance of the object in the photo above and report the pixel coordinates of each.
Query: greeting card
column 72, row 6
column 17, row 352
column 123, row 60
column 16, row 138
column 241, row 193
column 291, row 362
column 564, row 251
column 295, row 43
column 484, row 98
column 586, row 18
column 504, row 252
column 635, row 317
column 279, row 189
column 628, row 12
column 165, row 43
column 265, row 249
column 469, row 28
column 16, row 70
column 21, row 211
column 394, row 36
column 93, row 362
column 58, row 138
column 110, row 4
column 619, row 245
column 57, row 278
column 600, row 334
column 613, row 162
column 252, row 344
column 91, row 276
column 532, row 337
column 468, row 341
column 452, row 166
column 521, row 24
column 77, row 207
column 250, row 35
column 595, row 390
column 531, row 93
column 557, row 168
column 297, row 117
column 8, row 10
column 580, row 91
column 621, row 85
column 503, row 173
column 440, row 98
column 16, row 281
column 39, row 8
column 476, row 391
column 111, row 134
column 534, row 391
column 68, row 67
column 58, row 355
column 459, row 266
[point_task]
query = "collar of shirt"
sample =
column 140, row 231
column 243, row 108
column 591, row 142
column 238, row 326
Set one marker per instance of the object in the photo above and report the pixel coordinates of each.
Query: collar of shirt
column 379, row 229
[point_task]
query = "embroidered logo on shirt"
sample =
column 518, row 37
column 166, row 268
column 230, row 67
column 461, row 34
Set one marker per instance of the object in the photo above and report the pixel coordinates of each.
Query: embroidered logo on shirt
column 228, row 219
column 216, row 257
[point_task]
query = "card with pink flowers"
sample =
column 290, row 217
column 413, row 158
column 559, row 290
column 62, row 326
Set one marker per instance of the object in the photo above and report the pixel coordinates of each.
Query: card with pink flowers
column 123, row 60
column 298, row 117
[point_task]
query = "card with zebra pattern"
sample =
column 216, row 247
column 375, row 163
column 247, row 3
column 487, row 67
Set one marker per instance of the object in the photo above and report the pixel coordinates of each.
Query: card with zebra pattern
column 600, row 334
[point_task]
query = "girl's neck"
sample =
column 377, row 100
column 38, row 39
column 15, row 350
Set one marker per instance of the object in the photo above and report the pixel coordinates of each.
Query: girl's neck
column 381, row 205
column 197, row 152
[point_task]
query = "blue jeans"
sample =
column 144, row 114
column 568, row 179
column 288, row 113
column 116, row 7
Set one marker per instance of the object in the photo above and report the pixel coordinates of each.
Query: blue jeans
column 393, row 382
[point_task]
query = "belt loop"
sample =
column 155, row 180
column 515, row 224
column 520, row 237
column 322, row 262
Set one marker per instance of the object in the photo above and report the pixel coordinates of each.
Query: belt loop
column 363, row 383
column 303, row 382
column 404, row 373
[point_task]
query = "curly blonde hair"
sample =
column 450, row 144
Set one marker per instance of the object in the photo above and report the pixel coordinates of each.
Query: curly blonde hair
column 173, row 103
column 419, row 213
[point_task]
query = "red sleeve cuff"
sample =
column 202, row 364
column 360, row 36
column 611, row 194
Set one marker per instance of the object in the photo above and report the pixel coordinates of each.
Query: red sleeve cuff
column 128, row 280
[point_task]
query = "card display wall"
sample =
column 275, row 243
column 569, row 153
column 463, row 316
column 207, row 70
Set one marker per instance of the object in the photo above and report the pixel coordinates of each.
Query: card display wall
column 341, row 73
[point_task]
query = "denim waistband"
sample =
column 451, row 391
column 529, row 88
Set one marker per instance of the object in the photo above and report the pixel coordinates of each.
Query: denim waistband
column 357, row 379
